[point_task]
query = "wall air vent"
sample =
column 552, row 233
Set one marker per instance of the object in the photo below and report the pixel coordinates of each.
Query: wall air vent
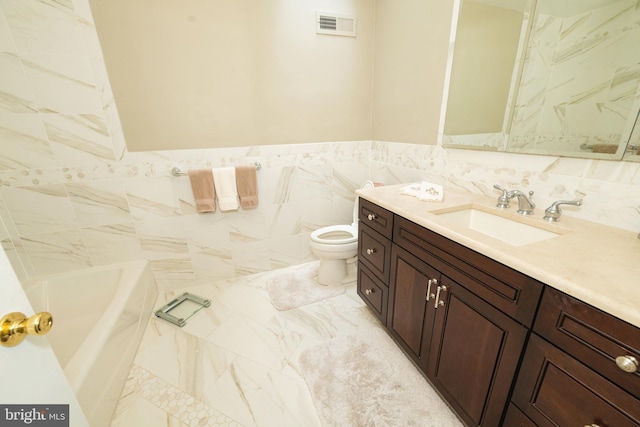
column 335, row 24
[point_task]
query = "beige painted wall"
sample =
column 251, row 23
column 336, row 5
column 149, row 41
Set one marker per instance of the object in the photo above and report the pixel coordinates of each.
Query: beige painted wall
column 412, row 38
column 216, row 73
column 254, row 72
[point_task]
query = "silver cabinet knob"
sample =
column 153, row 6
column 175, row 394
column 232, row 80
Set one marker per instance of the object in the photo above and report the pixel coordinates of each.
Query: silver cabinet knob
column 371, row 217
column 591, row 425
column 371, row 251
column 627, row 363
column 368, row 291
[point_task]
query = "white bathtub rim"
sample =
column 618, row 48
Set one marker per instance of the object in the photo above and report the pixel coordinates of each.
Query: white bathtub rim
column 77, row 368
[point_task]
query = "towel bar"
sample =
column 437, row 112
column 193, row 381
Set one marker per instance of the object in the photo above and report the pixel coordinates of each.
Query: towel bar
column 177, row 172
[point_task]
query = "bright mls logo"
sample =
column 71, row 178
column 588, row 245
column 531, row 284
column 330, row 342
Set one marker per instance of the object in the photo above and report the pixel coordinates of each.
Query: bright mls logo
column 34, row 415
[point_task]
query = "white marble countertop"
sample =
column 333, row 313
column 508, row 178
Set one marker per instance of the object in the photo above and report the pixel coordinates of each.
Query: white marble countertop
column 597, row 264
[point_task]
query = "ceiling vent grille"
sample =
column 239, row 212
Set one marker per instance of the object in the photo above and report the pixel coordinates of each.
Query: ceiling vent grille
column 335, row 24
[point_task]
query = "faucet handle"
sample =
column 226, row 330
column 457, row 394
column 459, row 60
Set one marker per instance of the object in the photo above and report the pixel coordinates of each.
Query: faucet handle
column 553, row 212
column 503, row 200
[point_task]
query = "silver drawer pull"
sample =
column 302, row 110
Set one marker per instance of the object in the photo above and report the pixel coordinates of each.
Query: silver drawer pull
column 371, row 217
column 371, row 251
column 439, row 302
column 368, row 291
column 429, row 283
column 592, row 425
column 627, row 363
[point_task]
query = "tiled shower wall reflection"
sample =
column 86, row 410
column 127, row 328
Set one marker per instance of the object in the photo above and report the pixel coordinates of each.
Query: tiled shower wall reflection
column 580, row 78
column 72, row 196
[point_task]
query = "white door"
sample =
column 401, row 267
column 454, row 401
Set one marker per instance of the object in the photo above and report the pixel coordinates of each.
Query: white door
column 29, row 372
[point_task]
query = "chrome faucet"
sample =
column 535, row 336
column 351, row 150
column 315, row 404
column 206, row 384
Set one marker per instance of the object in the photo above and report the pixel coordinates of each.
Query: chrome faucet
column 525, row 205
column 503, row 200
column 553, row 212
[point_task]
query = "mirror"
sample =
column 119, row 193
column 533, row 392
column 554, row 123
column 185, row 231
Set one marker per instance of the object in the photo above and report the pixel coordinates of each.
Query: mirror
column 565, row 82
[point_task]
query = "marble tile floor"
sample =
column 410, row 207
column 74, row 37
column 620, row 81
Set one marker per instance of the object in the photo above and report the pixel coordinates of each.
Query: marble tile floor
column 234, row 363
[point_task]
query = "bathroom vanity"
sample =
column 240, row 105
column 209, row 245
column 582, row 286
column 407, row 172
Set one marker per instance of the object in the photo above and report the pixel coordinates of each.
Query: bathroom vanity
column 497, row 325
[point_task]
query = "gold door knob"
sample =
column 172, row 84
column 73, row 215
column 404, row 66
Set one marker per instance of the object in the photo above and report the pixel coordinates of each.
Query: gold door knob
column 14, row 327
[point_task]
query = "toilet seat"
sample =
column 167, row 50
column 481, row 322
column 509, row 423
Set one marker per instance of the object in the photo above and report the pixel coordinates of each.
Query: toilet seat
column 340, row 234
column 335, row 235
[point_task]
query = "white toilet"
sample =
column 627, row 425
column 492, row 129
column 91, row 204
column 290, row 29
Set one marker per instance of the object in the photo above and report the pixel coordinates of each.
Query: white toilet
column 334, row 245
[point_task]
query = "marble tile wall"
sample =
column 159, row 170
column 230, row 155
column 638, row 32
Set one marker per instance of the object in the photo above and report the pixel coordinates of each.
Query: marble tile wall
column 72, row 196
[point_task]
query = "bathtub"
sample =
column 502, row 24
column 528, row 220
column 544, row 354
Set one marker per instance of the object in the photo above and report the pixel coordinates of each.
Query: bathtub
column 99, row 317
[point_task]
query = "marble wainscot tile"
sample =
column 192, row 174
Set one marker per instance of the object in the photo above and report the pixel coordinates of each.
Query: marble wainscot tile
column 99, row 203
column 25, row 144
column 251, row 258
column 79, row 139
column 13, row 245
column 62, row 84
column 56, row 252
column 151, row 198
column 39, row 209
column 213, row 264
column 162, row 237
column 291, row 250
column 6, row 41
column 109, row 244
column 15, row 94
column 50, row 27
column 173, row 272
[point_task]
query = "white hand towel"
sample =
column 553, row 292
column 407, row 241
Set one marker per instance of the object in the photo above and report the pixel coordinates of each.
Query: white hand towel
column 225, row 182
column 424, row 191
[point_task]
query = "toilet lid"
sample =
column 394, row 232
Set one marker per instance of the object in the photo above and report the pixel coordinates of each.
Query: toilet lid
column 335, row 235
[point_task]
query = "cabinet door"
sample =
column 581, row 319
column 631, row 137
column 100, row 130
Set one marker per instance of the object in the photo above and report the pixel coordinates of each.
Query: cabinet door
column 554, row 389
column 410, row 295
column 474, row 354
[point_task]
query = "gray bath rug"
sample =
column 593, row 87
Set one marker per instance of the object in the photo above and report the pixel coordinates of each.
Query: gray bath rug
column 297, row 287
column 366, row 380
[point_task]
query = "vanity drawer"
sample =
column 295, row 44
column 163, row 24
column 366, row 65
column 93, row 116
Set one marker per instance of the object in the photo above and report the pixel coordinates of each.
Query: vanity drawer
column 374, row 293
column 554, row 389
column 374, row 251
column 375, row 217
column 591, row 336
column 512, row 292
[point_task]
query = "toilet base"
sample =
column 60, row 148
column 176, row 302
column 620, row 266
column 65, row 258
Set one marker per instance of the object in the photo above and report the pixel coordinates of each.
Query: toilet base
column 331, row 272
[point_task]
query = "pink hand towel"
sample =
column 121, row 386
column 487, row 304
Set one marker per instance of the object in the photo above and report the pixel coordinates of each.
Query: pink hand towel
column 247, row 183
column 204, row 192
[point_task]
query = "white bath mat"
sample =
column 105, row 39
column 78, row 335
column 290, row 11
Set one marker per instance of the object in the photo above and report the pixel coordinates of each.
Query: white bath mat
column 366, row 380
column 298, row 287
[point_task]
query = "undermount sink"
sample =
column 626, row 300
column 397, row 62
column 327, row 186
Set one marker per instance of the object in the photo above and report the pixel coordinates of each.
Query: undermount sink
column 507, row 227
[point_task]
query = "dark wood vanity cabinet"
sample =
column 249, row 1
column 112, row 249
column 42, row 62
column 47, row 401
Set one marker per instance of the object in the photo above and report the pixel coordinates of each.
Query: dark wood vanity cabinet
column 467, row 348
column 465, row 320
column 569, row 374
